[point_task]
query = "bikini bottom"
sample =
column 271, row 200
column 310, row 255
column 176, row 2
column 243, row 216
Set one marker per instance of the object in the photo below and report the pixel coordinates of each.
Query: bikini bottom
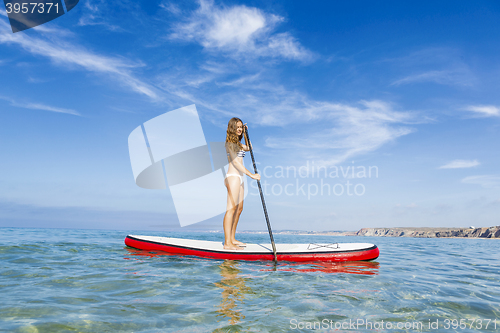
column 235, row 175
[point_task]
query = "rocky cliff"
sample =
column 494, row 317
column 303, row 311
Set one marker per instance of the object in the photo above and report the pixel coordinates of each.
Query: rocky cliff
column 491, row 232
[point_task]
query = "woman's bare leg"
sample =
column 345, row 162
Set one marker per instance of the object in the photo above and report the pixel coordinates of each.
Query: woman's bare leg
column 232, row 184
column 236, row 217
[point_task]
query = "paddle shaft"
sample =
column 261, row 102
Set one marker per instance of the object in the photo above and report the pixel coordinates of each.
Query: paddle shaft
column 262, row 197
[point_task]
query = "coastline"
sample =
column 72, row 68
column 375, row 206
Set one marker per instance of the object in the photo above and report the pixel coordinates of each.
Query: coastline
column 482, row 233
column 487, row 232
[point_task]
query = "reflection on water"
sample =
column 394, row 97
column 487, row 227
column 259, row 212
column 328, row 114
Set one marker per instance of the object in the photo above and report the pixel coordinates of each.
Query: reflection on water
column 350, row 267
column 230, row 266
column 233, row 291
column 145, row 253
column 234, row 286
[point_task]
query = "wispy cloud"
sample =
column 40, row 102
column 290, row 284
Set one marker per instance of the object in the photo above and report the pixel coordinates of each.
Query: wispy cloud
column 241, row 80
column 460, row 164
column 436, row 65
column 445, row 77
column 39, row 106
column 37, row 80
column 346, row 130
column 239, row 31
column 330, row 132
column 484, row 110
column 62, row 52
column 171, row 7
column 486, row 181
column 92, row 15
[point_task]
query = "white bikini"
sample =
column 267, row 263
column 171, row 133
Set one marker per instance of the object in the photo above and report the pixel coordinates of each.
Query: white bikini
column 241, row 153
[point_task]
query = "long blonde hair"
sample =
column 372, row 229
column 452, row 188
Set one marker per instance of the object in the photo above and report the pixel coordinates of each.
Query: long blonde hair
column 233, row 139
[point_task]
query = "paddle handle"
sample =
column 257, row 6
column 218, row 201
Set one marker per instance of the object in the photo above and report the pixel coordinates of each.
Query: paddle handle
column 262, row 197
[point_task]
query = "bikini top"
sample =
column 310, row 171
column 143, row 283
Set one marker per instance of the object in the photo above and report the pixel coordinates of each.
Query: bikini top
column 241, row 153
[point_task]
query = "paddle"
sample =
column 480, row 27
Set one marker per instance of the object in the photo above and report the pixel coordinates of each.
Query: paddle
column 262, row 197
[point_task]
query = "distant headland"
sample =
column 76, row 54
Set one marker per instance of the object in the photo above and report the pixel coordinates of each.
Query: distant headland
column 491, row 232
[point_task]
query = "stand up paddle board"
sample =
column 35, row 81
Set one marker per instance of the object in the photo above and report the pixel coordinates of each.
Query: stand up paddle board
column 285, row 252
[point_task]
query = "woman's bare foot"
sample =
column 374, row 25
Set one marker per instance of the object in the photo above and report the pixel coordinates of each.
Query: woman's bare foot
column 232, row 247
column 239, row 243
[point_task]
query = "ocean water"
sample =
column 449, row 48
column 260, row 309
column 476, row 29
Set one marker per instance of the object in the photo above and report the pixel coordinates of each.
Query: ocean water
column 58, row 280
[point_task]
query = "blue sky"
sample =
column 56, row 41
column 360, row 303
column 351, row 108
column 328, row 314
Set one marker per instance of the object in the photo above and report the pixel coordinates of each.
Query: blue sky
column 410, row 90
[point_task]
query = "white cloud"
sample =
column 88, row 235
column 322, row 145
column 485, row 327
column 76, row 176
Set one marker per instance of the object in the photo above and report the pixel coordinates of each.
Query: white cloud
column 345, row 131
column 484, row 110
column 62, row 52
column 445, row 77
column 40, row 106
column 459, row 164
column 436, row 65
column 287, row 46
column 171, row 7
column 239, row 31
column 241, row 80
column 93, row 15
column 486, row 181
column 330, row 132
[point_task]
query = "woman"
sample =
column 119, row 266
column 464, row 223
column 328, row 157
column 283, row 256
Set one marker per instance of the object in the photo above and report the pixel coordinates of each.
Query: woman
column 234, row 181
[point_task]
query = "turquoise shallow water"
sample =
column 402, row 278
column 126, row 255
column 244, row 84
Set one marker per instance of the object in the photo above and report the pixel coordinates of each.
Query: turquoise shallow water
column 58, row 280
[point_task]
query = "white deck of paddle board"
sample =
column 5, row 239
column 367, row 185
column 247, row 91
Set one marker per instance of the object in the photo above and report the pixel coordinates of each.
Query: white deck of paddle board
column 259, row 248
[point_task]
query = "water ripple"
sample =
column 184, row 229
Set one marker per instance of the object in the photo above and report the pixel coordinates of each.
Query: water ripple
column 88, row 281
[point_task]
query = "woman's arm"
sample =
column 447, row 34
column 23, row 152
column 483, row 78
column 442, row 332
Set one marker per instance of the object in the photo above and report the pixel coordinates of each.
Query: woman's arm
column 246, row 146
